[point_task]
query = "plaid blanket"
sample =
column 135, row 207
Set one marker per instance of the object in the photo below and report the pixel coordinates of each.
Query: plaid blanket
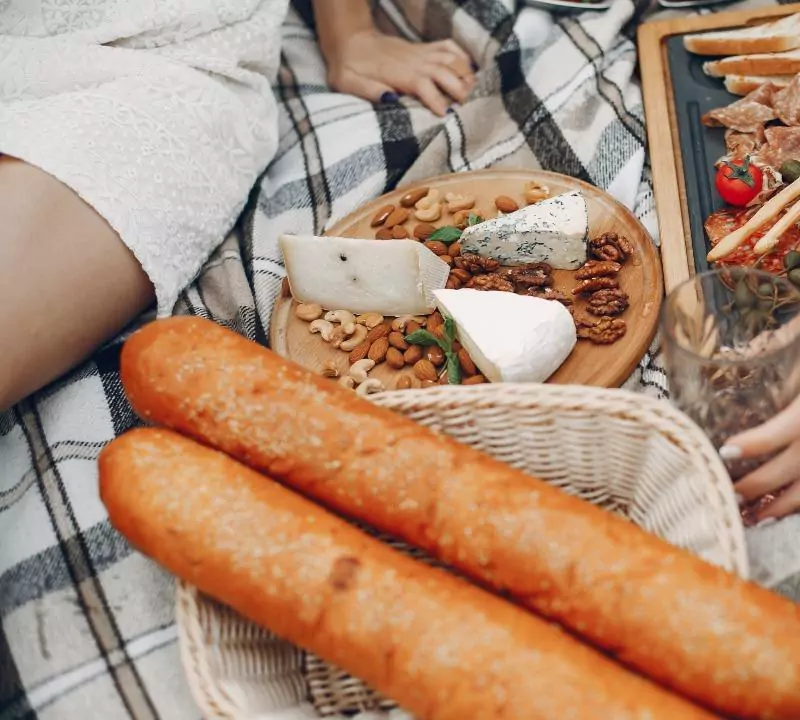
column 86, row 624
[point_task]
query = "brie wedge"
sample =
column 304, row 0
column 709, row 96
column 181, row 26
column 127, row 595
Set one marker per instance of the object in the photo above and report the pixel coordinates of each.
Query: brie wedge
column 394, row 277
column 553, row 231
column 511, row 338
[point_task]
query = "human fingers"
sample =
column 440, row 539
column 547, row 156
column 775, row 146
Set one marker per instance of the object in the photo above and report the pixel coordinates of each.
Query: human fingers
column 776, row 433
column 786, row 504
column 772, row 475
column 430, row 95
column 448, row 81
column 460, row 66
column 363, row 87
column 453, row 48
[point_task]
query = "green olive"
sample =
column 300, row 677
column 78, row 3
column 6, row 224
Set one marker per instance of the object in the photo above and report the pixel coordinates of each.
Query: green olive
column 743, row 297
column 766, row 290
column 791, row 260
column 736, row 273
column 766, row 304
column 790, row 171
column 794, row 277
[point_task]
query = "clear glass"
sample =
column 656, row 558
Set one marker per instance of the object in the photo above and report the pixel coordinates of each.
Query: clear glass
column 732, row 350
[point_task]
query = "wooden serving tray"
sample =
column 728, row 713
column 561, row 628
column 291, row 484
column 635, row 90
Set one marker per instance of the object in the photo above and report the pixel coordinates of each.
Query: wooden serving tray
column 682, row 238
column 589, row 364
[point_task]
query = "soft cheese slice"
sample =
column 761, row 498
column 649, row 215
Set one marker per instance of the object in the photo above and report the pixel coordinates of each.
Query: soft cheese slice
column 552, row 231
column 394, row 277
column 511, row 338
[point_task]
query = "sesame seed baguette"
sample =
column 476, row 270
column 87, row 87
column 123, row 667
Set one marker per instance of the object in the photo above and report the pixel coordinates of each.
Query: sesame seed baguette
column 726, row 643
column 444, row 649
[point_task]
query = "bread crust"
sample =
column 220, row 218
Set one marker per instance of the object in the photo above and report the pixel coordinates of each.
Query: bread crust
column 762, row 64
column 441, row 647
column 728, row 644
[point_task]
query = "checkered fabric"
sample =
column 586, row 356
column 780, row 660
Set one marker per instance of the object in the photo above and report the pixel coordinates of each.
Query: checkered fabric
column 86, row 624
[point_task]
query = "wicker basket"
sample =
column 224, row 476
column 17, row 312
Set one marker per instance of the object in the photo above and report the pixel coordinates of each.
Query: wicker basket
column 633, row 455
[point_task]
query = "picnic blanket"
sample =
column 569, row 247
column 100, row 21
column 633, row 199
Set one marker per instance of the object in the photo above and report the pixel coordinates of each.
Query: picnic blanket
column 86, row 624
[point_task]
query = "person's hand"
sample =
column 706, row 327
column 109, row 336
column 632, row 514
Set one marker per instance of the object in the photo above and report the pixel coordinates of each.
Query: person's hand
column 379, row 68
column 781, row 434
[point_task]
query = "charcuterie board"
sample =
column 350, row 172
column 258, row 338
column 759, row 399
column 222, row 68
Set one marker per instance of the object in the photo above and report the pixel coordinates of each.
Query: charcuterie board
column 593, row 364
column 684, row 149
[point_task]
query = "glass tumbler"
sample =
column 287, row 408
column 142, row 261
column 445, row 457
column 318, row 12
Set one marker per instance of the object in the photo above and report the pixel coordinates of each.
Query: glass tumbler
column 732, row 349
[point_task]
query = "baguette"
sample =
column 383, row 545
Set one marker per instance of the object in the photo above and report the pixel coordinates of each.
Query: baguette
column 439, row 646
column 785, row 63
column 775, row 36
column 726, row 643
column 745, row 84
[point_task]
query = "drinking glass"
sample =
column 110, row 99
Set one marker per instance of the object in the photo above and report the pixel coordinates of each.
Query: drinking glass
column 732, row 349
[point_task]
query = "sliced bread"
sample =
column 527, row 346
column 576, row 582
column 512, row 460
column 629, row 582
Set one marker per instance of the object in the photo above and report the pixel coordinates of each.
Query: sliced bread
column 744, row 84
column 782, row 63
column 775, row 36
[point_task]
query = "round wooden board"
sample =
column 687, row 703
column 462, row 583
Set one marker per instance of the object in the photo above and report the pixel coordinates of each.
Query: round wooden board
column 589, row 364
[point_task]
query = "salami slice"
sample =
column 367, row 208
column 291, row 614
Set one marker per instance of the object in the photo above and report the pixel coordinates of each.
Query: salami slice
column 747, row 115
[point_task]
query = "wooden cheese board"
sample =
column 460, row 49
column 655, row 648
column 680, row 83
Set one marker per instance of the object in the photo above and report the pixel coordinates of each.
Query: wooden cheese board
column 589, row 364
column 682, row 150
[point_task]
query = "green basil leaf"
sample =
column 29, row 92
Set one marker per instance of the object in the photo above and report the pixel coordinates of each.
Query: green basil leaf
column 449, row 332
column 453, row 369
column 423, row 337
column 474, row 219
column 447, row 234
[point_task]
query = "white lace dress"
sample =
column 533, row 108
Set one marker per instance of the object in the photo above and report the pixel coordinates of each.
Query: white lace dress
column 158, row 113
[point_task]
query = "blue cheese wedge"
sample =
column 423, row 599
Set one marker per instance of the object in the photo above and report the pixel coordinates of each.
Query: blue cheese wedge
column 510, row 337
column 553, row 231
column 391, row 278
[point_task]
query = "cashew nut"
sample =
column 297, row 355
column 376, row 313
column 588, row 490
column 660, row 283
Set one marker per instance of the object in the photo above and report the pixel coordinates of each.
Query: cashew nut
column 359, row 369
column 347, row 382
column 308, row 311
column 340, row 334
column 359, row 335
column 340, row 316
column 431, row 199
column 330, row 369
column 399, row 324
column 370, row 320
column 429, row 214
column 534, row 192
column 372, row 385
column 323, row 327
column 457, row 202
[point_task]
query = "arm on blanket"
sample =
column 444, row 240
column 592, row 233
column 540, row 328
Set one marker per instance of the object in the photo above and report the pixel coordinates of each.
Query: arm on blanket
column 363, row 61
column 68, row 283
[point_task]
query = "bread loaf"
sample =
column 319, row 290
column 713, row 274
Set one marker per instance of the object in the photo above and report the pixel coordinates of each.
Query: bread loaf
column 785, row 63
column 439, row 646
column 726, row 643
column 774, row 36
column 745, row 84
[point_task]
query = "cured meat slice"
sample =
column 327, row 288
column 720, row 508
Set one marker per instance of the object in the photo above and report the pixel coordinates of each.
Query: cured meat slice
column 787, row 103
column 739, row 144
column 747, row 115
column 781, row 144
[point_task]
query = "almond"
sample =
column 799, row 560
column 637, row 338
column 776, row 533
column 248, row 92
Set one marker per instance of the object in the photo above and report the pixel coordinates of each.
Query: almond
column 443, row 379
column 404, row 382
column 399, row 232
column 359, row 352
column 425, row 370
column 412, row 197
column 380, row 216
column 384, row 234
column 412, row 327
column 461, row 274
column 446, row 259
column 453, row 283
column 436, row 247
column 505, row 204
column 474, row 380
column 466, row 363
column 423, row 231
column 435, row 354
column 454, row 250
column 378, row 349
column 429, row 383
column 434, row 320
column 286, row 291
column 378, row 331
column 397, row 217
column 412, row 355
column 394, row 358
column 397, row 340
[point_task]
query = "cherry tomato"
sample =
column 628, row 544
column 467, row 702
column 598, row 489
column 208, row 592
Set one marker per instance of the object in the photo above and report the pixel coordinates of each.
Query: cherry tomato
column 739, row 181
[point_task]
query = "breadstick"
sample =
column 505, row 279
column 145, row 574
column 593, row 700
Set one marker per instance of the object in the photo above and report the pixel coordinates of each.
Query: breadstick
column 438, row 645
column 726, row 643
column 773, row 236
column 765, row 213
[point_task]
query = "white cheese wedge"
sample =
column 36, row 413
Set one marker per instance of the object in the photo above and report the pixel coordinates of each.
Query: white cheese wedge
column 511, row 338
column 553, row 231
column 394, row 277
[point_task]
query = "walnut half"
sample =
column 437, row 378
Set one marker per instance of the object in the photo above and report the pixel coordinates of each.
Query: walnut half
column 602, row 330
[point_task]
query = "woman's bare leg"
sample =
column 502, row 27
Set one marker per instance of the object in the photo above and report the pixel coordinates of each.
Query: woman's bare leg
column 67, row 282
